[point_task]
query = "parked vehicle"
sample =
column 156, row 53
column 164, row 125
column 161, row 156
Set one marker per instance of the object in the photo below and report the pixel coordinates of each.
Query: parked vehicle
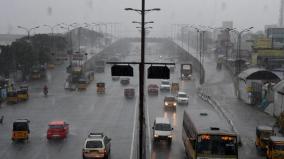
column 57, row 129
column 97, row 145
column 21, row 130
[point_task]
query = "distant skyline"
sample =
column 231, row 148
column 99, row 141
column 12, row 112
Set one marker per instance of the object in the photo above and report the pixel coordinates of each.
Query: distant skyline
column 244, row 13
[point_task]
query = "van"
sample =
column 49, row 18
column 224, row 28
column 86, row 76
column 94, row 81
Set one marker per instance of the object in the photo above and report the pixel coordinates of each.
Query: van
column 162, row 130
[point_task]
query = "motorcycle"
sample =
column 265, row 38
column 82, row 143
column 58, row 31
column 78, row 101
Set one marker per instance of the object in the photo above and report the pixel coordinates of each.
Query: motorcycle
column 45, row 92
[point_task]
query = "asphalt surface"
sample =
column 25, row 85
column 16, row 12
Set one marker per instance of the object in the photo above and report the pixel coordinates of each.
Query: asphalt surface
column 113, row 114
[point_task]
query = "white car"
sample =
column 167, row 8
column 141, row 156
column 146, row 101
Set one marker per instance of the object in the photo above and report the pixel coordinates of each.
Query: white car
column 162, row 130
column 97, row 145
column 182, row 98
column 165, row 85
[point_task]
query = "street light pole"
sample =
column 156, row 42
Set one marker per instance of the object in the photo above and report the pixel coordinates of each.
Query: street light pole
column 141, row 86
column 28, row 30
column 141, row 79
column 238, row 68
column 52, row 35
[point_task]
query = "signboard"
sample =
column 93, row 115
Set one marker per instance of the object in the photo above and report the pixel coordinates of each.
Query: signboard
column 263, row 43
column 78, row 57
column 158, row 72
column 121, row 70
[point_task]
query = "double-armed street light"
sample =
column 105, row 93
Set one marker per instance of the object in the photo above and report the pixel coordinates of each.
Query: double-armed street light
column 149, row 27
column 238, row 68
column 150, row 22
column 141, row 153
column 239, row 37
column 68, row 27
column 52, row 34
column 28, row 30
column 52, row 27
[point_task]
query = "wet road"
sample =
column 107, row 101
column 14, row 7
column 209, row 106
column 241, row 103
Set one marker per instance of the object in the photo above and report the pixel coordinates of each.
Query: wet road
column 110, row 113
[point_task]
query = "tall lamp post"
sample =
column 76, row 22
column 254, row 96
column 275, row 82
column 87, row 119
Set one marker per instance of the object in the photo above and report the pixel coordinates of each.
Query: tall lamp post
column 70, row 51
column 68, row 27
column 52, row 35
column 28, row 30
column 238, row 68
column 141, row 77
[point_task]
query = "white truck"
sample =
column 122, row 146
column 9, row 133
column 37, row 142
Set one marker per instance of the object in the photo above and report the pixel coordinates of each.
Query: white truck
column 185, row 71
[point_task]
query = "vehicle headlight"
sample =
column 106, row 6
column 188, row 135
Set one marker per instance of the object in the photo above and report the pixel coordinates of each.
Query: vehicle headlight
column 166, row 103
column 175, row 104
column 86, row 151
column 170, row 136
column 156, row 135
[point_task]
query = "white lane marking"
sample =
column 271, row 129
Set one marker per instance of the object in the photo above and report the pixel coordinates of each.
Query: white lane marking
column 133, row 131
column 149, row 133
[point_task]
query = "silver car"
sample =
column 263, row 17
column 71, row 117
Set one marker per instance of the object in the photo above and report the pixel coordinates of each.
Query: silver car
column 165, row 85
column 182, row 98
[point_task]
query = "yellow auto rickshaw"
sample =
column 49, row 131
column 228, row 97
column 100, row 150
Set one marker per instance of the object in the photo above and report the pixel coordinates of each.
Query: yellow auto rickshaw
column 35, row 74
column 275, row 147
column 263, row 133
column 21, row 130
column 174, row 87
column 12, row 97
column 23, row 93
column 50, row 66
column 100, row 87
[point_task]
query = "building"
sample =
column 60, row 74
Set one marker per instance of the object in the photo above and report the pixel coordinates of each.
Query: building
column 278, row 105
column 268, row 51
column 276, row 34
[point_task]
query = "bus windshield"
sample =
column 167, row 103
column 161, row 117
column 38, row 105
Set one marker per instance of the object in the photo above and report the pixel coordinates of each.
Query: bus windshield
column 278, row 147
column 217, row 145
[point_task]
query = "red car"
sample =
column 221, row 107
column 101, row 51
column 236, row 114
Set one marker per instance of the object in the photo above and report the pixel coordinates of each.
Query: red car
column 129, row 92
column 57, row 129
column 153, row 89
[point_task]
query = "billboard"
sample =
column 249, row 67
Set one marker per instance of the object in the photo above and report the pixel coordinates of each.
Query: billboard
column 263, row 42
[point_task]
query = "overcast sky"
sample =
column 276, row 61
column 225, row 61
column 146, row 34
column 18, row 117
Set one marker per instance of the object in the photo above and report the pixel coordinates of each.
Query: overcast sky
column 244, row 13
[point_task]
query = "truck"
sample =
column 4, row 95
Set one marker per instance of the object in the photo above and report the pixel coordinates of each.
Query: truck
column 185, row 71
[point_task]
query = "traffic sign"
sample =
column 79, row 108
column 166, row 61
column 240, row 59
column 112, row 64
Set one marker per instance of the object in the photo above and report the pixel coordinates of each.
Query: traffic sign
column 158, row 72
column 121, row 70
